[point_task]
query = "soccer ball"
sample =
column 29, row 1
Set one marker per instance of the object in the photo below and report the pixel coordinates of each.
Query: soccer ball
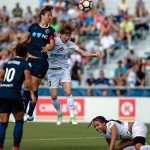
column 85, row 5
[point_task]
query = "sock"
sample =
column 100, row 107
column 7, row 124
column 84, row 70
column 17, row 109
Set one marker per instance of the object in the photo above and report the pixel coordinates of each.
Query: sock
column 26, row 98
column 145, row 147
column 32, row 106
column 17, row 134
column 70, row 104
column 56, row 104
column 3, row 127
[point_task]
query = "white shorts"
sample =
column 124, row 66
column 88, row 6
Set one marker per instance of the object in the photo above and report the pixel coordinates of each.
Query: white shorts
column 56, row 77
column 139, row 129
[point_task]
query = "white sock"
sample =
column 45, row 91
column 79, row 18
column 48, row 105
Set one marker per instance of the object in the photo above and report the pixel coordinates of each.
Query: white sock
column 145, row 147
column 129, row 148
column 70, row 103
column 56, row 104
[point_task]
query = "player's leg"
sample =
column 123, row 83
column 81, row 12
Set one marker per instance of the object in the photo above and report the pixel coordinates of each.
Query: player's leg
column 4, row 117
column 56, row 105
column 53, row 83
column 35, row 84
column 139, row 132
column 124, row 144
column 70, row 101
column 39, row 70
column 26, row 95
column 18, row 113
column 18, row 129
column 66, row 84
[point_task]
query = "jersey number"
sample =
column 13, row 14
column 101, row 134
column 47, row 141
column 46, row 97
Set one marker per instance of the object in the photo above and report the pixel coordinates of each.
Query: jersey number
column 9, row 74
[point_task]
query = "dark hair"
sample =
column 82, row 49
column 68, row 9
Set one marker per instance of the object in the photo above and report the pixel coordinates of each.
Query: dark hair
column 21, row 50
column 66, row 29
column 46, row 9
column 102, row 120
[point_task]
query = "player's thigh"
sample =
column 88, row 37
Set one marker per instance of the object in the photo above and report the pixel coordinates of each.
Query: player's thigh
column 67, row 88
column 39, row 69
column 4, row 117
column 18, row 115
column 124, row 143
column 54, row 77
column 18, row 110
column 35, row 82
column 4, row 110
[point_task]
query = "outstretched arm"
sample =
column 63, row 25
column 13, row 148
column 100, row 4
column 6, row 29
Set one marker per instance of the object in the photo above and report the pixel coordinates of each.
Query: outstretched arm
column 113, row 137
column 87, row 54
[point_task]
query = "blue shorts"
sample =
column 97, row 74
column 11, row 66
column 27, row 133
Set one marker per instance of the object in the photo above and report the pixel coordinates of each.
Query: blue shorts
column 11, row 106
column 39, row 67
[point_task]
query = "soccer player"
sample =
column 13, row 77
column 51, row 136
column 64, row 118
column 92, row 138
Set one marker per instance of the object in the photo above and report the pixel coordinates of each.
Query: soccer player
column 132, row 135
column 41, row 37
column 59, row 72
column 14, row 72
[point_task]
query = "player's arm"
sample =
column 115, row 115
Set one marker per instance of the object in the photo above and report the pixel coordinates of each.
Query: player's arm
column 28, row 82
column 113, row 137
column 87, row 54
column 108, row 142
column 26, row 38
column 2, row 72
column 50, row 46
column 23, row 40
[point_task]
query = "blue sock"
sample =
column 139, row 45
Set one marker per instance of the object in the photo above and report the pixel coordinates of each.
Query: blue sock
column 32, row 106
column 26, row 98
column 17, row 134
column 3, row 127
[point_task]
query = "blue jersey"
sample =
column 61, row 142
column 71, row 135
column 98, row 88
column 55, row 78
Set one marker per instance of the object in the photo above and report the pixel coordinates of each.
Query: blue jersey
column 39, row 38
column 10, row 88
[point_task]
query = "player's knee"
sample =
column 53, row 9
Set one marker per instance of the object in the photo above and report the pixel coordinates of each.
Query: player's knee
column 54, row 97
column 68, row 93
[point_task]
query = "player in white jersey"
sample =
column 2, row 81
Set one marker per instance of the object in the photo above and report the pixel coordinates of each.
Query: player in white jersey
column 59, row 72
column 132, row 135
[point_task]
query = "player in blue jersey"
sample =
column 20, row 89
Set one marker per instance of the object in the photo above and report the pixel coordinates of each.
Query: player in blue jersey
column 59, row 72
column 41, row 37
column 12, row 76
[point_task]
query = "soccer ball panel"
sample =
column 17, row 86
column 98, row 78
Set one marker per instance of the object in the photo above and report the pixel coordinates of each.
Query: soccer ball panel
column 85, row 5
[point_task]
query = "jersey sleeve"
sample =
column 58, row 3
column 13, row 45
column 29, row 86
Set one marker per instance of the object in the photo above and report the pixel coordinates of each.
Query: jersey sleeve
column 28, row 66
column 52, row 34
column 72, row 46
column 110, row 124
column 30, row 28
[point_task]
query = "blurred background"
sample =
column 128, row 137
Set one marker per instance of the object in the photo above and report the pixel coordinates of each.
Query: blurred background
column 119, row 28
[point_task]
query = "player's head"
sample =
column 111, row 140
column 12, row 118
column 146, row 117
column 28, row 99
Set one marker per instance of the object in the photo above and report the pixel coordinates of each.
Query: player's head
column 46, row 14
column 66, row 32
column 99, row 123
column 21, row 50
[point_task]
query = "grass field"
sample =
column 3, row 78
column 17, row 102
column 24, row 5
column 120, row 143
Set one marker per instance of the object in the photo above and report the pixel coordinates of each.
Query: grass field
column 48, row 136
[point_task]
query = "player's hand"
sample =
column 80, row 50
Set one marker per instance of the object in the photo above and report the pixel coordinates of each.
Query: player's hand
column 98, row 55
column 13, row 49
column 34, row 99
column 46, row 48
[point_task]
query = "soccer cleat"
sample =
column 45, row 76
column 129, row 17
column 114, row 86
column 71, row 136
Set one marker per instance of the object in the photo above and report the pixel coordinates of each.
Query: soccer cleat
column 15, row 148
column 59, row 118
column 73, row 121
column 28, row 118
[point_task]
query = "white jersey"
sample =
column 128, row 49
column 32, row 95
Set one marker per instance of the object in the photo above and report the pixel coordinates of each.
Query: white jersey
column 58, row 57
column 122, row 130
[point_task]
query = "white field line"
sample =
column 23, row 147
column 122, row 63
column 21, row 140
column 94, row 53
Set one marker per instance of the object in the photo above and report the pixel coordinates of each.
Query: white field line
column 60, row 139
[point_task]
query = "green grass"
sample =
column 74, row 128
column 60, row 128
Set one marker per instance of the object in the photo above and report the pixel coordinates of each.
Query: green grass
column 48, row 136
